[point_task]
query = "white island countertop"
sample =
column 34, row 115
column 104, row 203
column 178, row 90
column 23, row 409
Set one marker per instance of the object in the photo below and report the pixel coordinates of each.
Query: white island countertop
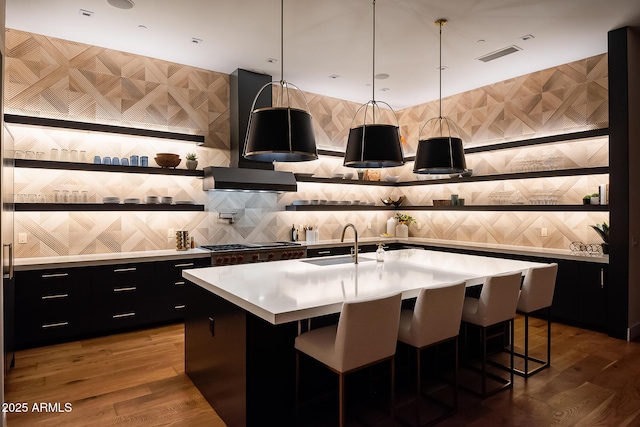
column 286, row 291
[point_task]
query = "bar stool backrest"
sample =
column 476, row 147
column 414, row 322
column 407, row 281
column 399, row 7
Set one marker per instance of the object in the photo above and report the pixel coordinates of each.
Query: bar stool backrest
column 498, row 299
column 537, row 288
column 367, row 331
column 437, row 314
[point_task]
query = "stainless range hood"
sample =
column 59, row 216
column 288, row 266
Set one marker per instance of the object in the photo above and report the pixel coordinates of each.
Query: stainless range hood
column 244, row 179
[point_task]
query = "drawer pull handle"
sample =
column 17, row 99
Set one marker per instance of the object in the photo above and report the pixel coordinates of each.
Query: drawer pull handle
column 124, row 270
column 179, row 307
column 132, row 288
column 55, row 296
column 55, row 325
column 179, row 283
column 48, row 276
column 323, row 252
column 118, row 316
column 189, row 264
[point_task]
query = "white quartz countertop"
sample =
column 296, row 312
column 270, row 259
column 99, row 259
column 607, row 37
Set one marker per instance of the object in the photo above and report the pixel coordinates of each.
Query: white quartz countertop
column 42, row 263
column 286, row 291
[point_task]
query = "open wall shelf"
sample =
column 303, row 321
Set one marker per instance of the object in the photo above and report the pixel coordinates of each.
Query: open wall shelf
column 91, row 167
column 86, row 207
column 466, row 208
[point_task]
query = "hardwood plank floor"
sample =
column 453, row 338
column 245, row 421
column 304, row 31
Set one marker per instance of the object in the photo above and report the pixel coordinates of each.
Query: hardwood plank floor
column 131, row 379
column 138, row 379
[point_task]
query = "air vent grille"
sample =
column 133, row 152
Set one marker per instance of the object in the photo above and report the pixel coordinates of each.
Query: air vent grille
column 500, row 53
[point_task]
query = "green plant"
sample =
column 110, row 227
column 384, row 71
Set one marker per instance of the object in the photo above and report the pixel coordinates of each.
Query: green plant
column 595, row 195
column 191, row 156
column 602, row 230
column 404, row 218
column 587, row 197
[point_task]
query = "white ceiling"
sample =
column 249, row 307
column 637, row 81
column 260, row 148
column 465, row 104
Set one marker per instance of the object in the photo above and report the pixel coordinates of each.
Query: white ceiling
column 334, row 37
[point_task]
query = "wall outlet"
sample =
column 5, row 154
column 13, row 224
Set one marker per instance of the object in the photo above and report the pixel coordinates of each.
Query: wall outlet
column 368, row 226
column 22, row 237
column 543, row 231
column 171, row 233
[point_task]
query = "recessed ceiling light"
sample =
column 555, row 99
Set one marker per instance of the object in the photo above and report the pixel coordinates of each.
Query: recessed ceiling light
column 195, row 40
column 480, row 41
column 86, row 13
column 144, row 27
column 121, row 4
column 442, row 68
column 527, row 37
column 382, row 76
column 385, row 89
column 272, row 60
column 334, row 76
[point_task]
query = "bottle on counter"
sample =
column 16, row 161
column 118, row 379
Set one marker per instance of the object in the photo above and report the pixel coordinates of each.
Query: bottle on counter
column 193, row 242
column 380, row 253
column 294, row 233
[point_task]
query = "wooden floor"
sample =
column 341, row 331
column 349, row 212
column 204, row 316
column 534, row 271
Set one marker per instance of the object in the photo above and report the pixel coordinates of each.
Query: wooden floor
column 138, row 379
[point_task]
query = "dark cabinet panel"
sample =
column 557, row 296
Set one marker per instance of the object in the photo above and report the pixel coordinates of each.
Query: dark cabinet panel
column 60, row 305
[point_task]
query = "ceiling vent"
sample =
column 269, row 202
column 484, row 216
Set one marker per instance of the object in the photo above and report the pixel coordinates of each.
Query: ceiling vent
column 499, row 53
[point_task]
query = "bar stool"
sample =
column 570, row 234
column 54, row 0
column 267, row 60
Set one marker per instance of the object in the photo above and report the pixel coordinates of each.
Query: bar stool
column 435, row 319
column 497, row 304
column 536, row 294
column 366, row 334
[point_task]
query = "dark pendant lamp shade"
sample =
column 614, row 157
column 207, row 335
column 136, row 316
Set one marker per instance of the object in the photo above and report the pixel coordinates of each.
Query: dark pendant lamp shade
column 443, row 153
column 440, row 156
column 374, row 146
column 280, row 134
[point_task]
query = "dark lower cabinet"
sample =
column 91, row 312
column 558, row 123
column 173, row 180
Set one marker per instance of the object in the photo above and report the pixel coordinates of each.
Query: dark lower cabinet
column 54, row 306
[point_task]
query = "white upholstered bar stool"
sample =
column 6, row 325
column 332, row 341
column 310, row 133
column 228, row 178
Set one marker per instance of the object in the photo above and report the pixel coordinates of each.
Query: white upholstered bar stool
column 366, row 334
column 497, row 304
column 536, row 294
column 435, row 319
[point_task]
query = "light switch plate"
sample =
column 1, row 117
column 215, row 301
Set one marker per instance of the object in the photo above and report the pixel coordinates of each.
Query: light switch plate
column 22, row 237
column 543, row 231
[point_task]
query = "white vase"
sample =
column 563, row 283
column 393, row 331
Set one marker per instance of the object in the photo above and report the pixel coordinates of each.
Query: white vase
column 391, row 226
column 595, row 200
column 402, row 230
column 192, row 164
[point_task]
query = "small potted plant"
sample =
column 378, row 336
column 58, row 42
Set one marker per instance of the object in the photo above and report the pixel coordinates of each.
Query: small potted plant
column 402, row 229
column 192, row 161
column 586, row 200
column 595, row 199
column 603, row 232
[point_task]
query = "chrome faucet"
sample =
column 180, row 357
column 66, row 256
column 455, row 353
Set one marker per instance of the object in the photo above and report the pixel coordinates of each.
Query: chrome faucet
column 354, row 250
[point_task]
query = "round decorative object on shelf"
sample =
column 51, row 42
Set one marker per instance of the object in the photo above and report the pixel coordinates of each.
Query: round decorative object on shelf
column 167, row 160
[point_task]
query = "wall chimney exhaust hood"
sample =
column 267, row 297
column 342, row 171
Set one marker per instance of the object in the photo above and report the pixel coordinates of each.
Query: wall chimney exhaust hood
column 245, row 179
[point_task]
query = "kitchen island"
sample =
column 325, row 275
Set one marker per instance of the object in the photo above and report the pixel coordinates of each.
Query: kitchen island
column 242, row 320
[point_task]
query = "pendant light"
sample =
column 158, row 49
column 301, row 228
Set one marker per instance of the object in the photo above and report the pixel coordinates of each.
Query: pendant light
column 374, row 144
column 443, row 153
column 280, row 133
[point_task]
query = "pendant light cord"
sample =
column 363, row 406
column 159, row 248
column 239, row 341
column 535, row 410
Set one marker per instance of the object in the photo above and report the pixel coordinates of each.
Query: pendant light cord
column 373, row 67
column 282, row 42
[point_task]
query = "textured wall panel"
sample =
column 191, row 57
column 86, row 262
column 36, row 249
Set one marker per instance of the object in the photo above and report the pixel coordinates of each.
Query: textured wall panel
column 66, row 80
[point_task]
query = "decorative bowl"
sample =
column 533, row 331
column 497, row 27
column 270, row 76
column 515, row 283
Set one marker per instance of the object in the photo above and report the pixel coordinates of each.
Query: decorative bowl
column 390, row 201
column 392, row 178
column 167, row 160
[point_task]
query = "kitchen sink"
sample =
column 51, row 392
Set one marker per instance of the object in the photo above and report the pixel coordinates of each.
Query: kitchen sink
column 335, row 261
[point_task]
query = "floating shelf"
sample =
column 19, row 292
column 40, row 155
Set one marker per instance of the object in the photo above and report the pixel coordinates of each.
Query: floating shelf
column 470, row 208
column 96, row 127
column 480, row 178
column 92, row 167
column 49, row 207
